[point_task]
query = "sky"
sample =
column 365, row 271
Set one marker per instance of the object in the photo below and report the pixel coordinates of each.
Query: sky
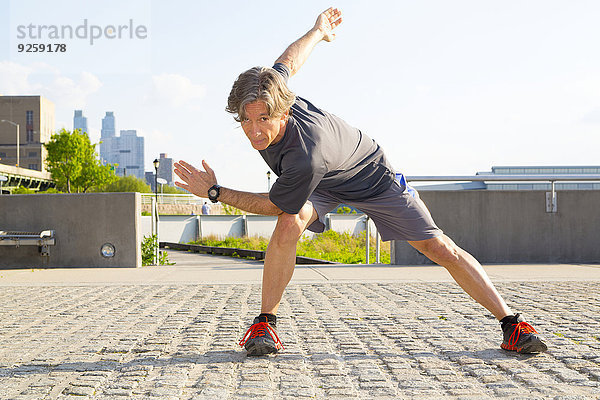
column 446, row 87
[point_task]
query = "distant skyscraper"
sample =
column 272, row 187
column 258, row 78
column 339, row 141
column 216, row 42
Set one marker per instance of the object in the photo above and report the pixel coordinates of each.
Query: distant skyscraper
column 150, row 179
column 126, row 150
column 108, row 125
column 129, row 154
column 79, row 121
column 107, row 135
column 165, row 168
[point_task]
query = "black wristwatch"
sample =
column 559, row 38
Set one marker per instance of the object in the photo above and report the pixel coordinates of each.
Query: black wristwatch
column 214, row 192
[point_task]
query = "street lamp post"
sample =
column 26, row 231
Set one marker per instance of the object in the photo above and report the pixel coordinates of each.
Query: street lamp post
column 156, row 164
column 17, row 125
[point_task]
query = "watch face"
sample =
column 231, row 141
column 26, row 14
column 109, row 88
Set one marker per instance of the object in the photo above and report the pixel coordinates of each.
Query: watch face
column 212, row 192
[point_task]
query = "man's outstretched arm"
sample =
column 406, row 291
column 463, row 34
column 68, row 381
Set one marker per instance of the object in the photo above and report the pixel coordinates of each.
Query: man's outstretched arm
column 297, row 53
column 198, row 182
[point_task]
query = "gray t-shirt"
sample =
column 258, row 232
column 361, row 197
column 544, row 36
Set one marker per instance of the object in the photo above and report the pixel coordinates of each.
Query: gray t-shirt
column 320, row 151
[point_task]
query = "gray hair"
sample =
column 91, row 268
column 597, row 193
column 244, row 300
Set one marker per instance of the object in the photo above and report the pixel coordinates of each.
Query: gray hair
column 260, row 83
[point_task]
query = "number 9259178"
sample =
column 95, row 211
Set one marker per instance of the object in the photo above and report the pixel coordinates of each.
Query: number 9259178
column 41, row 48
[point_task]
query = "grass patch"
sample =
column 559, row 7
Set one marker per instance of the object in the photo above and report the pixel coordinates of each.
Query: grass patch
column 329, row 245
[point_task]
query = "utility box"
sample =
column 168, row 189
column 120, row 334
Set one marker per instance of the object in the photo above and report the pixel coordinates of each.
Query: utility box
column 90, row 230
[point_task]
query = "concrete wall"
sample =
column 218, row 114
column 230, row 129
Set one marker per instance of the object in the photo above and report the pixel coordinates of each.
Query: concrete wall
column 173, row 228
column 513, row 226
column 186, row 228
column 354, row 224
column 260, row 225
column 221, row 225
column 83, row 223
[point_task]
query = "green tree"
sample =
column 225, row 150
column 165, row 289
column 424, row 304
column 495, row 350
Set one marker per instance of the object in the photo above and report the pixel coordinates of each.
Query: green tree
column 73, row 164
column 171, row 190
column 93, row 173
column 231, row 210
column 126, row 184
column 22, row 190
column 50, row 190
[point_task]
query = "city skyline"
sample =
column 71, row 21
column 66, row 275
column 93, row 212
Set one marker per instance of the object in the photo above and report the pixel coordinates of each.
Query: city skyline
column 444, row 88
column 125, row 150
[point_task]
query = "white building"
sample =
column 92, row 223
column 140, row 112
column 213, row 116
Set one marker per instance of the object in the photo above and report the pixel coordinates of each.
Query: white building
column 126, row 150
column 522, row 170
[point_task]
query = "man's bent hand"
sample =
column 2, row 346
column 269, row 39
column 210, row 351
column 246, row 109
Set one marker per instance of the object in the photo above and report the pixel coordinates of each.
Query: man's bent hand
column 327, row 21
column 198, row 182
column 297, row 53
column 195, row 181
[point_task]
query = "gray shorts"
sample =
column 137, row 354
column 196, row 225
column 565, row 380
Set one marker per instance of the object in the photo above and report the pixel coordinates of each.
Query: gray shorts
column 398, row 213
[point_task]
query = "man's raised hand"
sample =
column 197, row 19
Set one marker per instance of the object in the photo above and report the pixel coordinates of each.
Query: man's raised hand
column 196, row 181
column 327, row 21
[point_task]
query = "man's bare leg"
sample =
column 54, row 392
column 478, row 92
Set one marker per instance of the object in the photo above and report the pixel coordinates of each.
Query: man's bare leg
column 261, row 338
column 518, row 335
column 280, row 259
column 466, row 271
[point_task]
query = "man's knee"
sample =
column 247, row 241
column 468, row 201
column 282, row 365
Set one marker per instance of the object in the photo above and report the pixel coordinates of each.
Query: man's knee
column 290, row 227
column 441, row 250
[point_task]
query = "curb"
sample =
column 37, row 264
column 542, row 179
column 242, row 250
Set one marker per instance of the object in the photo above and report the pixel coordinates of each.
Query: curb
column 230, row 251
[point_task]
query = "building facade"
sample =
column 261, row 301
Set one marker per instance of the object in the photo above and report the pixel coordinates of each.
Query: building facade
column 165, row 169
column 150, row 179
column 125, row 150
column 523, row 170
column 34, row 116
column 128, row 153
column 107, row 133
column 80, row 122
column 543, row 170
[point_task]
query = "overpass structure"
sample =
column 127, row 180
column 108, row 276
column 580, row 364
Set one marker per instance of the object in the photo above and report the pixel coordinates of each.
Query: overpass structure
column 29, row 178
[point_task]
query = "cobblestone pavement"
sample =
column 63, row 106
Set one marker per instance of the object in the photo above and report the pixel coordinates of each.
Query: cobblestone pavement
column 357, row 340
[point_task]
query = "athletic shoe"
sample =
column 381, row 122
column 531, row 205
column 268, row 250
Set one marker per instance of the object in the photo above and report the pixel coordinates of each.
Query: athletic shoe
column 519, row 336
column 261, row 338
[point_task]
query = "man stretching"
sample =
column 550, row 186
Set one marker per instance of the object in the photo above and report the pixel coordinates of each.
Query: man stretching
column 321, row 161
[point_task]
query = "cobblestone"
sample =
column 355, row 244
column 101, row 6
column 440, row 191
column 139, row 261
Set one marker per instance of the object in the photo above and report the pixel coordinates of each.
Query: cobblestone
column 343, row 340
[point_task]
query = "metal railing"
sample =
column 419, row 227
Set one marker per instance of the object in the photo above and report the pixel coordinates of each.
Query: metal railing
column 30, row 178
column 173, row 199
column 551, row 197
column 368, row 243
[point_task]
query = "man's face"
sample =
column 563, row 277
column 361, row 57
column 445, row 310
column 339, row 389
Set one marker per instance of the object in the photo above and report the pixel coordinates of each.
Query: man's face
column 261, row 130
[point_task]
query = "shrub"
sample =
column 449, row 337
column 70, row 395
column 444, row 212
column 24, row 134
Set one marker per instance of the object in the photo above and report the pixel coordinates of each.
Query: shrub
column 329, row 245
column 149, row 245
column 127, row 183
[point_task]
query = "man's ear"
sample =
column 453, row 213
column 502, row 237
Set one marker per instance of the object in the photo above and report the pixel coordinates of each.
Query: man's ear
column 284, row 119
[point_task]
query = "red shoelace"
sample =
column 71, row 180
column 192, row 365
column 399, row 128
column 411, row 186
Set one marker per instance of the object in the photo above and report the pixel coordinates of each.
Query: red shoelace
column 521, row 327
column 261, row 329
